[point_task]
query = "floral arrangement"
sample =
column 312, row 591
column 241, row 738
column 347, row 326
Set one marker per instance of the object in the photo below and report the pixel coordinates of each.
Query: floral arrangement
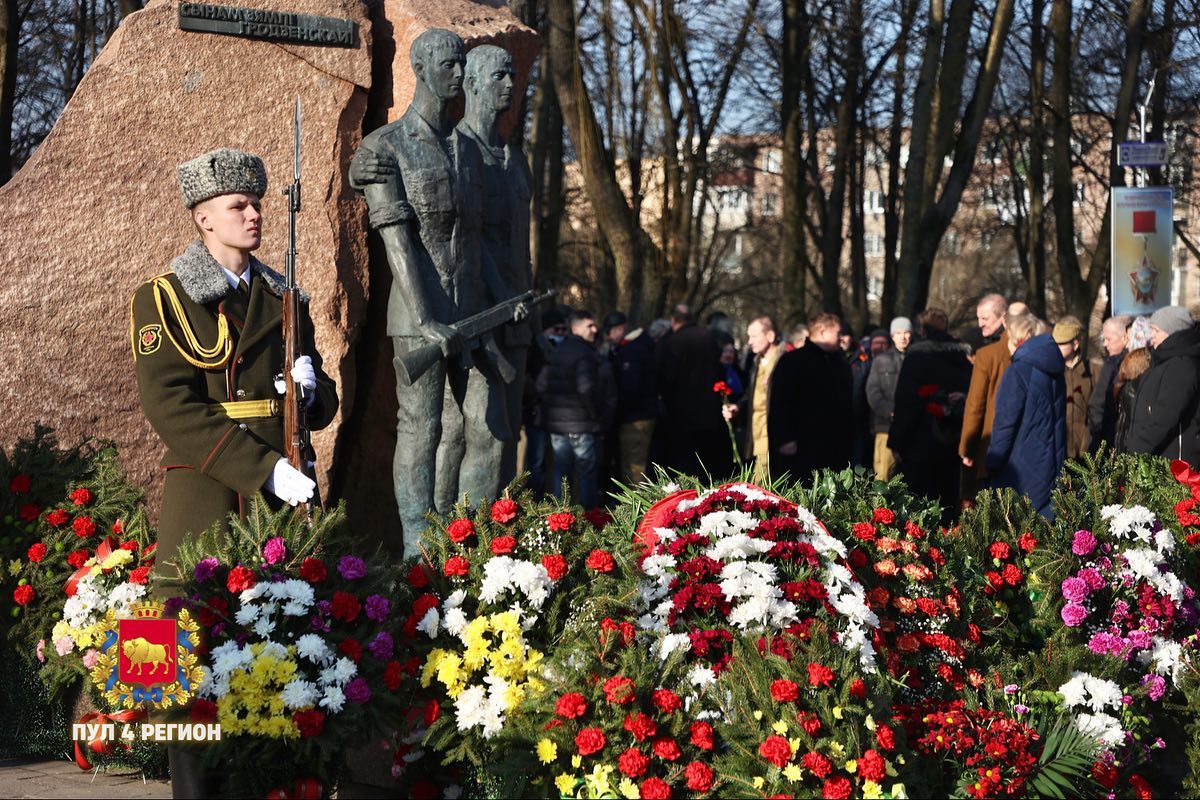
column 299, row 647
column 737, row 558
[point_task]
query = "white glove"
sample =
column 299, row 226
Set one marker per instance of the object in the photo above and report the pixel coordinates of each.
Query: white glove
column 289, row 484
column 303, row 374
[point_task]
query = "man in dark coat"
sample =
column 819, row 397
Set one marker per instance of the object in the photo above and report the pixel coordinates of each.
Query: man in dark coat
column 809, row 420
column 1029, row 433
column 927, row 421
column 694, row 440
column 637, row 402
column 1165, row 415
column 881, row 395
column 1102, row 406
column 577, row 404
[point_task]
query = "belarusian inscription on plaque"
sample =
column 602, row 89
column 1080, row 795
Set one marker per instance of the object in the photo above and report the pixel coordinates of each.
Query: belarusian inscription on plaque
column 258, row 23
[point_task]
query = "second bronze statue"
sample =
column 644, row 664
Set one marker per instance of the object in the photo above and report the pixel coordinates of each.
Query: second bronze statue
column 451, row 205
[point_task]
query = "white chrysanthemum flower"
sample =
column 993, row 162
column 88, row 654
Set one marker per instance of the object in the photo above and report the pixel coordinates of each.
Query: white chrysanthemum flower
column 726, row 523
column 688, row 504
column 455, row 599
column 429, row 623
column 232, row 659
column 1144, row 563
column 220, row 688
column 333, row 700
column 751, row 612
column 344, row 670
column 247, row 615
column 204, row 687
column 470, row 707
column 670, row 487
column 456, row 621
column 1074, row 691
column 666, row 534
column 275, row 650
column 1165, row 658
column 737, row 545
column 122, row 598
column 825, row 545
column 671, row 643
column 749, row 492
column 1134, row 522
column 1164, row 542
column 264, row 626
column 701, row 676
column 1102, row 727
column 312, row 647
column 294, row 608
column 299, row 694
column 253, row 593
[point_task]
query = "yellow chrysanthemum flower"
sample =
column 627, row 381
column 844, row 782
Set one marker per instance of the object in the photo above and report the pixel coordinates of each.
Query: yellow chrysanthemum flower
column 791, row 772
column 851, row 766
column 547, row 751
column 565, row 784
column 629, row 789
column 871, row 790
column 780, row 727
column 14, row 567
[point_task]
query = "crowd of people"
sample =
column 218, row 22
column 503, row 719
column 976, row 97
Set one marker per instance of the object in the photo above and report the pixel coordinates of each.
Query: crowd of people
column 1004, row 404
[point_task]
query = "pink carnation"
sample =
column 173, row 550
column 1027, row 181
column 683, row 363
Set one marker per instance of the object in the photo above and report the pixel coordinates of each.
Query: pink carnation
column 1083, row 543
column 1073, row 615
column 274, row 550
column 1091, row 577
column 91, row 657
column 1075, row 589
column 63, row 645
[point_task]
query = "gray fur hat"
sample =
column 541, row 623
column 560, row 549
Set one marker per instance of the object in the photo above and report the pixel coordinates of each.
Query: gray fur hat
column 221, row 171
column 1171, row 319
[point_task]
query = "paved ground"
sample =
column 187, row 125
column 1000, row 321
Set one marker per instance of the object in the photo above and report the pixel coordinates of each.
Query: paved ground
column 59, row 779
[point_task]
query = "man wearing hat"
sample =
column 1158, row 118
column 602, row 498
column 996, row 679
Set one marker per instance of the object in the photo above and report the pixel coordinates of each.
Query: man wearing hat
column 208, row 351
column 1067, row 334
column 1165, row 415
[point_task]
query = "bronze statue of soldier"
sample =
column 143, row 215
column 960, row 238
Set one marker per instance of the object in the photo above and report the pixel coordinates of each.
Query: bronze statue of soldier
column 423, row 182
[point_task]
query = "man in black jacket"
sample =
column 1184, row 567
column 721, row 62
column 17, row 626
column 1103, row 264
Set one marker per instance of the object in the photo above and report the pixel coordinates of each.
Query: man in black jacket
column 694, row 440
column 1165, row 413
column 810, row 417
column 577, row 402
column 927, row 421
column 637, row 401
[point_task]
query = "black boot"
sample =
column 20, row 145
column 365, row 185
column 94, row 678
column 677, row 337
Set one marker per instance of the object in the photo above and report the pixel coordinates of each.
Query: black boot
column 190, row 779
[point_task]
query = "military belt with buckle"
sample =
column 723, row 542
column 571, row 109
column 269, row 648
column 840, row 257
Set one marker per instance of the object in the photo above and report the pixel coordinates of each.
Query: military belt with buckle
column 252, row 409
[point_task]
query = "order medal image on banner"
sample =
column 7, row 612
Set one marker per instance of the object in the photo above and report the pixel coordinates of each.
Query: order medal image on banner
column 1142, row 239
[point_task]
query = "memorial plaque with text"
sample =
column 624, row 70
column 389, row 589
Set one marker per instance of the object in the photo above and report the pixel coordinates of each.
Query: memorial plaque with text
column 275, row 26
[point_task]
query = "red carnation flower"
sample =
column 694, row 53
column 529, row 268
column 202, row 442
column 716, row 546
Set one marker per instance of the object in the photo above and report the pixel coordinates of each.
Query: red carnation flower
column 1105, row 774
column 619, row 690
column 810, row 723
column 240, row 579
column 590, row 740
column 858, row 689
column 722, row 388
column 118, row 527
column 819, row 675
column 140, row 575
column 23, row 595
column 556, row 566
column 836, row 788
column 817, row 764
column 84, row 527
column 81, row 496
column 598, row 517
column 640, row 725
column 351, row 648
column 1026, row 542
column 655, row 789
column 600, row 561
column 77, row 558
column 503, row 545
column 570, row 706
column 20, row 483
column 998, row 550
column 313, row 570
column 345, row 606
column 418, row 578
column 561, row 521
column 311, row 723
column 871, row 766
column 884, row 516
column 37, row 551
column 57, row 518
column 776, row 750
column 927, row 390
column 29, row 512
column 784, row 691
column 456, row 565
column 393, row 675
column 699, row 777
column 202, row 711
column 864, row 531
column 667, row 749
column 460, row 530
column 701, row 735
column 886, row 737
column 913, row 530
column 1013, row 575
column 667, row 701
column 633, row 762
column 504, row 510
column 131, row 546
column 1140, row 786
column 935, row 410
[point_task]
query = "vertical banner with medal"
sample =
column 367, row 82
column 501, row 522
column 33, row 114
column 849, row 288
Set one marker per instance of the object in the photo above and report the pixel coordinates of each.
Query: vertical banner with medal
column 1142, row 242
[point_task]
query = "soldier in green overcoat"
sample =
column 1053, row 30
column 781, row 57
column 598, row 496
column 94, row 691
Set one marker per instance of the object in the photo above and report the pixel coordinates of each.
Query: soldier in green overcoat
column 208, row 347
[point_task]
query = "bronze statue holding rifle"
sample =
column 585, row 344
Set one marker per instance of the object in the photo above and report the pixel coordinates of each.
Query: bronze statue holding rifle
column 424, row 185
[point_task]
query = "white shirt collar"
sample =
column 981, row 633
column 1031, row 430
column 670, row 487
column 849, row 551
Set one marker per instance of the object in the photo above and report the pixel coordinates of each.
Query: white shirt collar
column 233, row 279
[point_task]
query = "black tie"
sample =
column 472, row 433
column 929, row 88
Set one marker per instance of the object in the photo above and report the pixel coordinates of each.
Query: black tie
column 243, row 288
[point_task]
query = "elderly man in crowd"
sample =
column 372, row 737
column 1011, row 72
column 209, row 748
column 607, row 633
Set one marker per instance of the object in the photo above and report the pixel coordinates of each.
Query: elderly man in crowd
column 881, row 394
column 1102, row 407
column 1067, row 334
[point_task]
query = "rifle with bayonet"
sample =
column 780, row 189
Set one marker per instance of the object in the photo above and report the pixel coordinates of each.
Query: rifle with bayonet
column 297, row 438
column 473, row 332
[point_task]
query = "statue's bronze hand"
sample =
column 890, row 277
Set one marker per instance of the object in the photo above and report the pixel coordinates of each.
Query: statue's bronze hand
column 443, row 335
column 367, row 167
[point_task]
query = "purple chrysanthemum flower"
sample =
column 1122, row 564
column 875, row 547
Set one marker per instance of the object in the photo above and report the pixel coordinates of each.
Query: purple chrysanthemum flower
column 378, row 607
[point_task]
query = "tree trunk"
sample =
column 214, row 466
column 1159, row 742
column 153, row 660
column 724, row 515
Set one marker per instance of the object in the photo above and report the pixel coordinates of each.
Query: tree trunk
column 547, row 202
column 1036, row 248
column 792, row 253
column 10, row 29
column 891, row 218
